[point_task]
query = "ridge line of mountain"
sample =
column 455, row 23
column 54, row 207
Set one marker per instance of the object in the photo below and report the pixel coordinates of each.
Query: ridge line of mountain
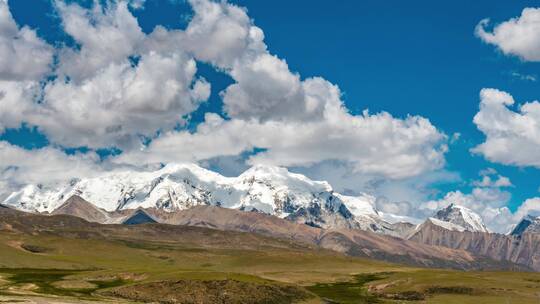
column 271, row 190
column 349, row 241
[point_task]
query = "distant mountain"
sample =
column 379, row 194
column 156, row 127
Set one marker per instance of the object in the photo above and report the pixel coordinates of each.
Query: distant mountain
column 264, row 189
column 459, row 218
column 352, row 242
column 139, row 217
column 529, row 224
column 521, row 250
column 425, row 245
column 79, row 207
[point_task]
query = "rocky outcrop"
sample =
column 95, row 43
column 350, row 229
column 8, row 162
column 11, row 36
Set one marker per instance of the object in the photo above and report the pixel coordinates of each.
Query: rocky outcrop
column 353, row 242
column 79, row 207
column 522, row 250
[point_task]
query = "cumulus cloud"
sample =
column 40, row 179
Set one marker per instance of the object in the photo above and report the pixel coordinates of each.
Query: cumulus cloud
column 121, row 102
column 518, row 36
column 105, row 35
column 530, row 207
column 23, row 56
column 21, row 166
column 119, row 85
column 24, row 60
column 222, row 34
column 512, row 137
column 16, row 101
column 295, row 122
column 372, row 144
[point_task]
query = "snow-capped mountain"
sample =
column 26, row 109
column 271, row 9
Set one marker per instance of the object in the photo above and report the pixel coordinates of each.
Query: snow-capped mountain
column 459, row 218
column 266, row 189
column 529, row 224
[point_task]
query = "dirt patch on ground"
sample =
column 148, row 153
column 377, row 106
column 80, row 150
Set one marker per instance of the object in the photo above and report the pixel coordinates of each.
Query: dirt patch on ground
column 15, row 244
column 74, row 284
column 23, row 287
column 6, row 228
column 209, row 292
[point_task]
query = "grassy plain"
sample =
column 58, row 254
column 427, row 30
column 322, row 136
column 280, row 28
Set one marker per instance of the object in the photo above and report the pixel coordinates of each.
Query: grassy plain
column 79, row 267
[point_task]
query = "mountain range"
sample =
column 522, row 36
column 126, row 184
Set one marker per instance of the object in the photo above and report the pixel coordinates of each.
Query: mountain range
column 278, row 203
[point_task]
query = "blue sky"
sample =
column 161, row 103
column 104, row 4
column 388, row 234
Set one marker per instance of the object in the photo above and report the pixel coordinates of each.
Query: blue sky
column 406, row 58
column 418, row 57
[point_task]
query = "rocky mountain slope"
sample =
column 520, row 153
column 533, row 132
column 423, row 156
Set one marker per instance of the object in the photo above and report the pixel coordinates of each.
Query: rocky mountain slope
column 523, row 249
column 434, row 243
column 269, row 190
column 351, row 242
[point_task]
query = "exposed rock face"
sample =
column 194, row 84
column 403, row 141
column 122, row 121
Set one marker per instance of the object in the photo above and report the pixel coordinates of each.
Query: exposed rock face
column 79, row 207
column 400, row 229
column 349, row 241
column 461, row 216
column 522, row 250
column 529, row 224
column 353, row 242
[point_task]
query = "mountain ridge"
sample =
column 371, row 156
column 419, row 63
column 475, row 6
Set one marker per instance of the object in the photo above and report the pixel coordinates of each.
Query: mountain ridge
column 351, row 242
column 461, row 216
column 266, row 189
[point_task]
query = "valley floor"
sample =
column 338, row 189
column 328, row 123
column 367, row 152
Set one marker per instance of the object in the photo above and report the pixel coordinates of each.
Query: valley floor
column 130, row 264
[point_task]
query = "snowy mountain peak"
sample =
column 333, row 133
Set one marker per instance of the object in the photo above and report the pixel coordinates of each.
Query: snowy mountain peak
column 282, row 176
column 266, row 189
column 461, row 216
column 529, row 224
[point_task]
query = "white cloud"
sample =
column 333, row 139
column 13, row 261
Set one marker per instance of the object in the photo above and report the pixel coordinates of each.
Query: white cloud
column 41, row 166
column 122, row 102
column 15, row 102
column 372, row 144
column 518, row 36
column 137, row 4
column 512, row 137
column 101, row 98
column 530, row 206
column 526, row 77
column 106, row 36
column 222, row 34
column 297, row 122
column 23, row 56
column 490, row 178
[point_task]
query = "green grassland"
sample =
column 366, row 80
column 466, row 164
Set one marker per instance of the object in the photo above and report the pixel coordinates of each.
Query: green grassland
column 87, row 268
